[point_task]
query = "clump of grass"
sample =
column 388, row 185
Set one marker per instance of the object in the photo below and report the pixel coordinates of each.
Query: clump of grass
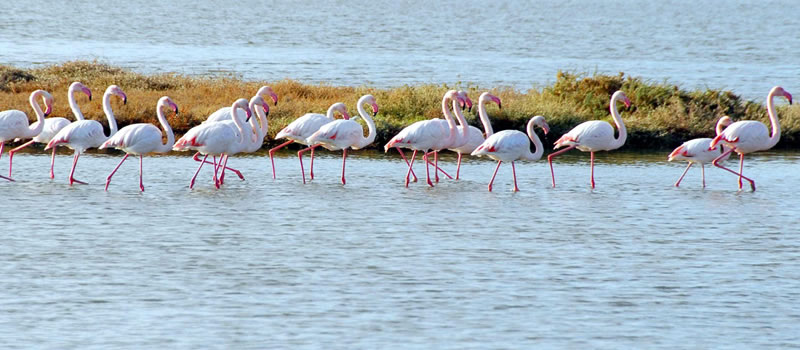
column 662, row 115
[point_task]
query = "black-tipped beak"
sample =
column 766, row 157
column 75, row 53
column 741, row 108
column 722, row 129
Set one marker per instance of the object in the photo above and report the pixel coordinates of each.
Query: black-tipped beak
column 500, row 105
column 90, row 97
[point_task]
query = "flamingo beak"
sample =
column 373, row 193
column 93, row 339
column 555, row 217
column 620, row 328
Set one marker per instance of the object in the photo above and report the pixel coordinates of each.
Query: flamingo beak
column 249, row 114
column 469, row 105
column 124, row 97
column 174, row 107
column 266, row 108
column 274, row 98
column 788, row 96
column 499, row 103
column 546, row 129
column 48, row 110
column 627, row 103
column 87, row 92
column 374, row 109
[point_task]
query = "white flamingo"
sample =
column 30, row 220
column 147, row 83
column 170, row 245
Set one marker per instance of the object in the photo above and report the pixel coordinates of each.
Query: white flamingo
column 476, row 136
column 512, row 145
column 697, row 151
column 593, row 136
column 254, row 132
column 84, row 134
column 747, row 136
column 143, row 138
column 14, row 124
column 216, row 139
column 341, row 134
column 425, row 135
column 53, row 125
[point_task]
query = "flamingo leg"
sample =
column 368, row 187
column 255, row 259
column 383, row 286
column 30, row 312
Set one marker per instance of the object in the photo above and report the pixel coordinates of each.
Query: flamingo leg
column 495, row 174
column 53, row 164
column 311, row 167
column 458, row 167
column 550, row 160
column 108, row 179
column 2, row 145
column 741, row 165
column 427, row 170
column 591, row 165
column 300, row 157
column 222, row 170
column 514, row 172
column 191, row 183
column 703, row 173
column 440, row 169
column 238, row 173
column 435, row 165
column 216, row 170
column 344, row 157
column 677, row 184
column 272, row 155
column 11, row 155
column 72, row 172
column 411, row 165
column 141, row 182
column 404, row 158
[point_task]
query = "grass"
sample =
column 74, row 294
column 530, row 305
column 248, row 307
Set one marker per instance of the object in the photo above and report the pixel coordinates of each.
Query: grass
column 661, row 117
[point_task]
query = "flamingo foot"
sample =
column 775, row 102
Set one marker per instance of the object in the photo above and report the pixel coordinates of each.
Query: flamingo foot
column 73, row 180
column 7, row 178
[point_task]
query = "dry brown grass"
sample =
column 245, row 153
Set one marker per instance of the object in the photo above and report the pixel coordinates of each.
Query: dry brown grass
column 662, row 115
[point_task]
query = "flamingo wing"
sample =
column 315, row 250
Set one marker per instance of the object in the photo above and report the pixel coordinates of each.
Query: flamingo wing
column 12, row 124
column 301, row 128
column 506, row 145
column 136, row 139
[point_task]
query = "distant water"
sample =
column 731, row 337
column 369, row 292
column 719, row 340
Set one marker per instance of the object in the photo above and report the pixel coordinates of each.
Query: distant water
column 275, row 264
column 742, row 45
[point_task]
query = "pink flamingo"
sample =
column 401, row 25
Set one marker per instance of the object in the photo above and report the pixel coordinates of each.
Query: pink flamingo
column 476, row 136
column 224, row 113
column 301, row 128
column 512, row 145
column 14, row 123
column 343, row 133
column 427, row 134
column 748, row 136
column 216, row 139
column 593, row 136
column 254, row 133
column 697, row 151
column 53, row 125
column 142, row 138
column 84, row 134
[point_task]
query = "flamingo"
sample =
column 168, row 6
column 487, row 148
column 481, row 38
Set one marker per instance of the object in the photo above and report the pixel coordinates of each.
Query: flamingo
column 593, row 136
column 255, row 132
column 748, row 136
column 697, row 151
column 224, row 113
column 301, row 128
column 142, row 138
column 476, row 136
column 14, row 124
column 343, row 133
column 512, row 145
column 84, row 134
column 216, row 139
column 425, row 135
column 53, row 125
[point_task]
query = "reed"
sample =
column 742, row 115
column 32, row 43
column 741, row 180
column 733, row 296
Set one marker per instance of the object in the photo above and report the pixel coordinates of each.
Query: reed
column 662, row 116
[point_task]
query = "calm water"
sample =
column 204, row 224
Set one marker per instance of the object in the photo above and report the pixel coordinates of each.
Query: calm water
column 267, row 263
column 740, row 45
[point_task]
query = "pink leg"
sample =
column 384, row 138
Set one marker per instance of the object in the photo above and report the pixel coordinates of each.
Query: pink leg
column 311, row 167
column 53, row 164
column 238, row 173
column 216, row 169
column 410, row 165
column 72, row 172
column 741, row 165
column 344, row 157
column 458, row 167
column 191, row 183
column 591, row 171
column 11, row 155
column 272, row 155
column 438, row 168
column 108, row 179
column 404, row 158
column 2, row 145
column 300, row 157
column 684, row 174
column 514, row 172
column 141, row 182
column 703, row 172
column 550, row 160
column 222, row 170
column 427, row 170
column 495, row 174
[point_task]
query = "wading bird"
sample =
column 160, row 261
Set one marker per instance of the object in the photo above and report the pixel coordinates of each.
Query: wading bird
column 698, row 151
column 14, row 124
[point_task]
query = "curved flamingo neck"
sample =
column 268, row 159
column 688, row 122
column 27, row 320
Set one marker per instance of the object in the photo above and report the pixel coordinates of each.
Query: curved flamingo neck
column 73, row 105
column 464, row 137
column 449, row 117
column 537, row 143
column 720, row 127
column 331, row 114
column 623, row 132
column 365, row 141
column 238, row 120
column 254, row 127
column 773, row 119
column 112, row 121
column 162, row 118
column 487, row 125
column 36, row 130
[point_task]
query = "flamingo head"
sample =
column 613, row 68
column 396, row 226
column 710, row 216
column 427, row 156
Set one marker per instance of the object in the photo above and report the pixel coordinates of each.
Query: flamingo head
column 370, row 100
column 540, row 122
column 165, row 101
column 265, row 91
column 624, row 98
column 724, row 121
column 242, row 103
column 487, row 97
column 779, row 91
column 78, row 86
column 115, row 90
column 464, row 101
column 257, row 100
column 48, row 102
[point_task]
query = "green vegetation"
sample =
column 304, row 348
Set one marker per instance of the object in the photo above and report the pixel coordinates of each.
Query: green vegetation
column 662, row 115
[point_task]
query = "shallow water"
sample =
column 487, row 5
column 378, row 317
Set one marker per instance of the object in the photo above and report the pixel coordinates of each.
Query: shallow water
column 265, row 263
column 740, row 45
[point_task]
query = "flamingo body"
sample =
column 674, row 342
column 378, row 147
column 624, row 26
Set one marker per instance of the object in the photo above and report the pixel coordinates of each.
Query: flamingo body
column 504, row 146
column 747, row 136
column 301, row 128
column 79, row 136
column 338, row 134
column 697, row 151
column 13, row 124
column 589, row 136
column 137, row 139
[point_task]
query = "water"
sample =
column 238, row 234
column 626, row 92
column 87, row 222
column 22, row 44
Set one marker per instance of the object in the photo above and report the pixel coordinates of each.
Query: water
column 265, row 263
column 740, row 45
